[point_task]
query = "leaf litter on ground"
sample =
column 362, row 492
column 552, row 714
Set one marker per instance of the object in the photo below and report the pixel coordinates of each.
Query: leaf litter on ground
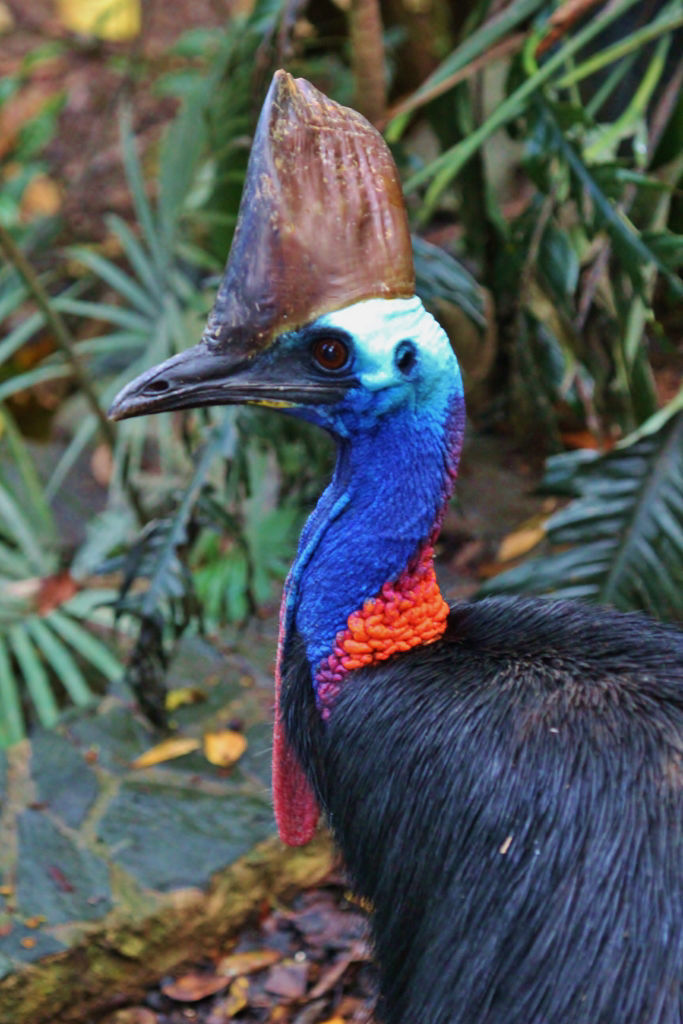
column 308, row 962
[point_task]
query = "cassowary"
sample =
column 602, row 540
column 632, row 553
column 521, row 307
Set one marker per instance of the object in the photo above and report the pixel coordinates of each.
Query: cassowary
column 504, row 778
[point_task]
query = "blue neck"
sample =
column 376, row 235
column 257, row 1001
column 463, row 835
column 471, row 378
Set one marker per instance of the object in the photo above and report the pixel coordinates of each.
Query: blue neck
column 384, row 503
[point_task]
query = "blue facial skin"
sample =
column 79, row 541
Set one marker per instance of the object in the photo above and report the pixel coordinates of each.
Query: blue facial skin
column 398, row 433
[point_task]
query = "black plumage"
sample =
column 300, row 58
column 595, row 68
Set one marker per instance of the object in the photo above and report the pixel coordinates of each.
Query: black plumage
column 510, row 799
column 510, row 795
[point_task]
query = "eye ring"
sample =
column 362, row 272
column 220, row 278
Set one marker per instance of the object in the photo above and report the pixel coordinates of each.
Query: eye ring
column 330, row 353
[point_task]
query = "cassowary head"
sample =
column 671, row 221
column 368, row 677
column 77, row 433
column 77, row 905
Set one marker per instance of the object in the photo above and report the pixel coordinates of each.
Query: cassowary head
column 316, row 313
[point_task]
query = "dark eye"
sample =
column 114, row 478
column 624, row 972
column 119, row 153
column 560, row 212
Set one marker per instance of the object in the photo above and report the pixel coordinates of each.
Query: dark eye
column 406, row 356
column 330, row 353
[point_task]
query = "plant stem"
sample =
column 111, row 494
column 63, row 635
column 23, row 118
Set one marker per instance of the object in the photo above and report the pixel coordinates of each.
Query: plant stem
column 503, row 49
column 367, row 58
column 477, row 44
column 67, row 344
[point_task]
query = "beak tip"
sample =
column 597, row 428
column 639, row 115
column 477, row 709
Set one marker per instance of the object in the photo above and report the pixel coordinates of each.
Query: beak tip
column 122, row 407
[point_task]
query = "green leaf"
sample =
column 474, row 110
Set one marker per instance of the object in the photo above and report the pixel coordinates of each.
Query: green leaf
column 185, row 141
column 85, row 644
column 628, row 242
column 26, row 535
column 558, row 262
column 143, row 210
column 34, row 675
column 484, row 37
column 104, row 311
column 60, row 661
column 669, row 20
column 19, row 335
column 448, row 164
column 121, row 282
column 136, row 254
column 621, row 539
column 35, row 506
column 11, row 296
column 38, row 375
column 11, row 715
column 167, row 556
column 438, row 275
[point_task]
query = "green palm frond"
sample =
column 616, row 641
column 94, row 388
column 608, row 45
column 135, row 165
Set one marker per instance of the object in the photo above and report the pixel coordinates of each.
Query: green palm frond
column 49, row 654
column 620, row 541
column 163, row 610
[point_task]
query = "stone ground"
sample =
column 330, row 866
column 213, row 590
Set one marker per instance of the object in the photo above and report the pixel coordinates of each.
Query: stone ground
column 100, row 860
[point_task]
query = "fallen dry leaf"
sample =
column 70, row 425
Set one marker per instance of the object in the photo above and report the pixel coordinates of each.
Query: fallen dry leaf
column 192, row 987
column 325, row 927
column 358, row 952
column 116, row 20
column 183, row 695
column 584, row 439
column 279, row 1015
column 352, row 1008
column 237, row 999
column 35, row 921
column 102, row 465
column 236, row 964
column 132, row 1015
column 55, row 591
column 167, row 750
column 521, row 540
column 42, row 197
column 234, row 1002
column 288, row 980
column 6, row 18
column 224, row 748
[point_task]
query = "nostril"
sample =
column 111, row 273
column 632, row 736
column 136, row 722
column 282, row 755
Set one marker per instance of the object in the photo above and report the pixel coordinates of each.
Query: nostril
column 157, row 385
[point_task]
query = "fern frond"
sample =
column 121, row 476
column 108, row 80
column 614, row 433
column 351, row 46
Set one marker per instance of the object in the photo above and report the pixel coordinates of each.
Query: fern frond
column 620, row 541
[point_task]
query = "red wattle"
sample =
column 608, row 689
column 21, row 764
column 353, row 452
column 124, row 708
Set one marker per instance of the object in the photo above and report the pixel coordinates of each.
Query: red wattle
column 296, row 810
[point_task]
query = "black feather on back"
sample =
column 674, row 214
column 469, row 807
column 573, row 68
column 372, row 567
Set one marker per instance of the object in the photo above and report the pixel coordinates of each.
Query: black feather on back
column 510, row 799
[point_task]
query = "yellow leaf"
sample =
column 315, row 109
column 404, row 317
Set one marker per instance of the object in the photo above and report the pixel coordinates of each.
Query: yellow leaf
column 517, row 543
column 41, row 198
column 35, row 921
column 236, row 964
column 237, row 997
column 6, row 18
column 183, row 695
column 177, row 746
column 224, row 748
column 133, row 1015
column 107, row 19
column 192, row 987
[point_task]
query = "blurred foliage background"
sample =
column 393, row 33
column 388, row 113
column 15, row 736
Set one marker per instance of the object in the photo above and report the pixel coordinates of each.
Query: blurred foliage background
column 540, row 147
